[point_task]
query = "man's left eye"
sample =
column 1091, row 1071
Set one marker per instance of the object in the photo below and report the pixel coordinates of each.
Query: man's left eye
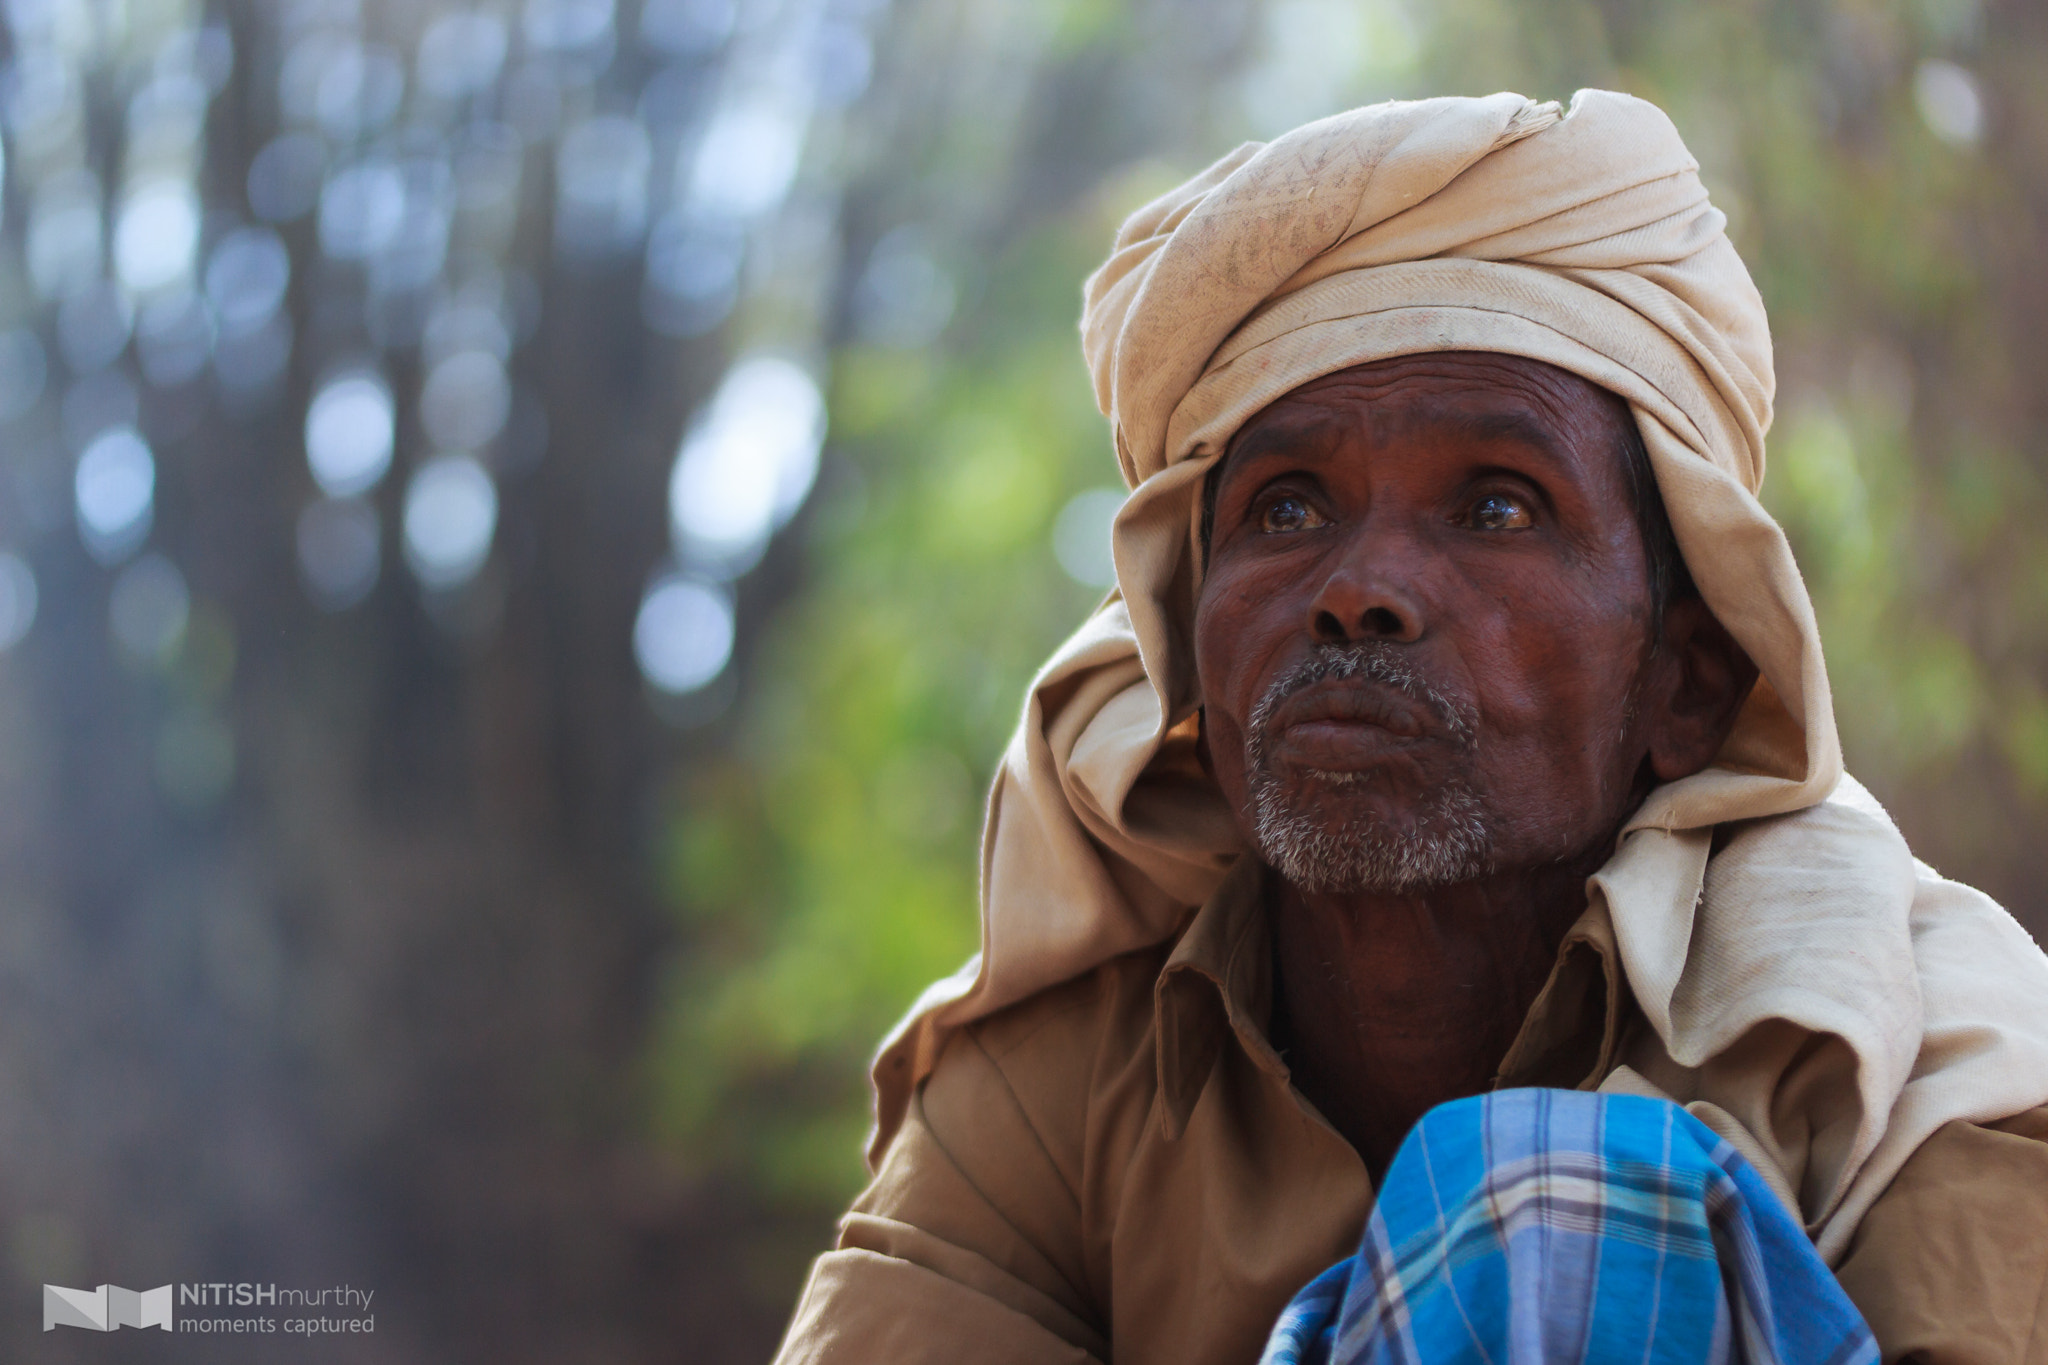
column 1289, row 513
column 1499, row 512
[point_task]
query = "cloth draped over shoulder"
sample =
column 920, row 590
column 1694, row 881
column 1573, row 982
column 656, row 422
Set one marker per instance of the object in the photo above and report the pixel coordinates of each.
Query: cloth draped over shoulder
column 1815, row 995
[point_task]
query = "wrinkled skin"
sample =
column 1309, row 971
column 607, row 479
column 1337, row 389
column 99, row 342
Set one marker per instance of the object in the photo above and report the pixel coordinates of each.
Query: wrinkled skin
column 1471, row 512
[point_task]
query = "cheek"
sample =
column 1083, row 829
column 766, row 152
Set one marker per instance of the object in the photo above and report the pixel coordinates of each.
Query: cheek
column 1242, row 626
column 1242, row 622
column 1553, row 701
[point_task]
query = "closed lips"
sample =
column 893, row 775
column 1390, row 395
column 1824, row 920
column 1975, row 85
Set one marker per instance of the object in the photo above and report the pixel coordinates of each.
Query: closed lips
column 1344, row 705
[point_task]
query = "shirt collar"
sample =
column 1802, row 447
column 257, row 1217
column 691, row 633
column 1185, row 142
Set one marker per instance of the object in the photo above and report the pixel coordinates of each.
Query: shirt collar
column 1217, row 989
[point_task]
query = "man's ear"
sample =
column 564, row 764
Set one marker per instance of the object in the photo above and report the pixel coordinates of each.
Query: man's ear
column 1700, row 679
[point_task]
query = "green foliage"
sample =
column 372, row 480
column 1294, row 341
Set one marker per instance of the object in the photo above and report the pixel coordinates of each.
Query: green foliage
column 826, row 870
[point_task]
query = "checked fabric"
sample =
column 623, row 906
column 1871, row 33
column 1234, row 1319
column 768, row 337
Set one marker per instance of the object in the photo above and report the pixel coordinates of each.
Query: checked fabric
column 1544, row 1227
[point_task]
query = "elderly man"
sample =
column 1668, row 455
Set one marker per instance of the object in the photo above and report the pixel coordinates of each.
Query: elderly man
column 1459, row 729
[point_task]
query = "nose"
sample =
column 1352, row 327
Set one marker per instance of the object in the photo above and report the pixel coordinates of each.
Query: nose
column 1368, row 593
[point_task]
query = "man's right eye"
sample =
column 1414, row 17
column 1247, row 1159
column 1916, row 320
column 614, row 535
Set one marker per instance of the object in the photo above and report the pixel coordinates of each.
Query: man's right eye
column 1289, row 513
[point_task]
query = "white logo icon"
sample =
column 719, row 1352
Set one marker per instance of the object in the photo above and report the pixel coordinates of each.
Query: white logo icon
column 105, row 1308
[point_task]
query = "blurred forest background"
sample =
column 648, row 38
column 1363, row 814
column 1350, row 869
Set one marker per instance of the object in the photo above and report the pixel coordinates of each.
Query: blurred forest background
column 524, row 526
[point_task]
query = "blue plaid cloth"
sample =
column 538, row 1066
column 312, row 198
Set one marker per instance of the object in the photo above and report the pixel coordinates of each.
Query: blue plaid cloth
column 1537, row 1227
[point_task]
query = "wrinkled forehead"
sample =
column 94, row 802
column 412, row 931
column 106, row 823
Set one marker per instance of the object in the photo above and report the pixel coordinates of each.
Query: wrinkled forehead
column 1475, row 393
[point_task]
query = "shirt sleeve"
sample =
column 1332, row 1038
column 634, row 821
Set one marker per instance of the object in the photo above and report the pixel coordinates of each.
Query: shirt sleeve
column 1950, row 1266
column 965, row 1247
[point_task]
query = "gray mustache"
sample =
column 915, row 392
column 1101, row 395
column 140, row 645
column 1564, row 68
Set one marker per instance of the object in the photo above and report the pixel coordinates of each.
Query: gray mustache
column 1374, row 661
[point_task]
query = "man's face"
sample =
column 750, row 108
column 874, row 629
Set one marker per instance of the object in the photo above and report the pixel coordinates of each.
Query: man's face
column 1424, row 618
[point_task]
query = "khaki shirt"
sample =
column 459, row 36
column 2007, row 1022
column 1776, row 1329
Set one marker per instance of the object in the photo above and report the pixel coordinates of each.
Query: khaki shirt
column 1117, row 1169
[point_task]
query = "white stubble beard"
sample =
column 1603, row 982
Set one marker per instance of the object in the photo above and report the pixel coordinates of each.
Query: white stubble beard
column 1450, row 840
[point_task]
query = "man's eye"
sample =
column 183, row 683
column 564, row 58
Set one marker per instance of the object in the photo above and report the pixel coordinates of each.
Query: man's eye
column 1499, row 512
column 1289, row 514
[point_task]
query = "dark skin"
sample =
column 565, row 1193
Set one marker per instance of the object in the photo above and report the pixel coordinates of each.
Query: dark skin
column 1472, row 510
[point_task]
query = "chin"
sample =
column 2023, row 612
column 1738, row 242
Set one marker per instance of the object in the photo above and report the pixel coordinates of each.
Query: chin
column 1330, row 834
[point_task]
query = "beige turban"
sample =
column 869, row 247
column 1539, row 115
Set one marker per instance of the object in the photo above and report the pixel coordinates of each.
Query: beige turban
column 1817, row 996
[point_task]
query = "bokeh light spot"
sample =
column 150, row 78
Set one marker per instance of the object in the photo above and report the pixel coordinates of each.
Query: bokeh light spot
column 1080, row 536
column 114, row 490
column 157, row 235
column 349, row 432
column 451, row 513
column 748, row 159
column 683, row 634
column 747, row 465
column 1951, row 104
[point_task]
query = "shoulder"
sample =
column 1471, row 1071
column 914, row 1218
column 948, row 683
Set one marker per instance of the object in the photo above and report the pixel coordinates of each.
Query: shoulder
column 1105, row 1014
column 1950, row 1266
column 1074, row 1063
column 981, row 1234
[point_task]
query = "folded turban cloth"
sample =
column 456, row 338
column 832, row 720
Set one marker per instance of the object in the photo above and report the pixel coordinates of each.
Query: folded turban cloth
column 1816, row 996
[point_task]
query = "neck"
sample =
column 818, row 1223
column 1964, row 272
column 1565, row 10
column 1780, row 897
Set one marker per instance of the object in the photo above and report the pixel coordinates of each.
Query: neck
column 1394, row 1004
